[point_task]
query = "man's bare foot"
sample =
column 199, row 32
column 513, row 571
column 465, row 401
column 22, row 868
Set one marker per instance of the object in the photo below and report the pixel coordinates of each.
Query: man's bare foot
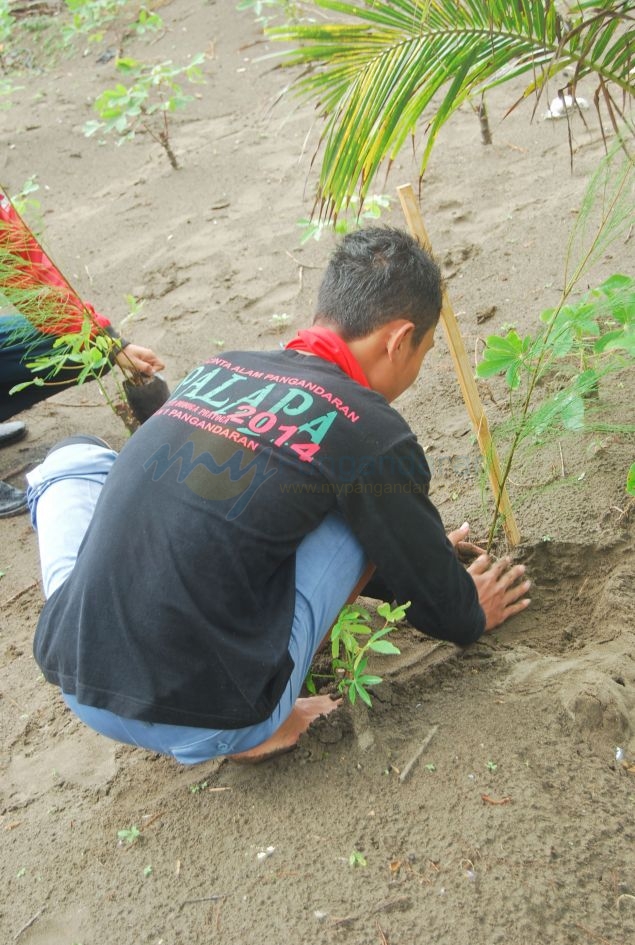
column 286, row 737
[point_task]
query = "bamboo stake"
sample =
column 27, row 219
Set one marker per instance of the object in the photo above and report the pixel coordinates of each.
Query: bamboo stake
column 464, row 374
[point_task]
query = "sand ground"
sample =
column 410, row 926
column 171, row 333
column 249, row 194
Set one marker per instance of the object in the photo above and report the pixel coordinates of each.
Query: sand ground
column 515, row 825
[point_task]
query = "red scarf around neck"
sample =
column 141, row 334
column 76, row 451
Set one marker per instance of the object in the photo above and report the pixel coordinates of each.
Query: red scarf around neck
column 328, row 345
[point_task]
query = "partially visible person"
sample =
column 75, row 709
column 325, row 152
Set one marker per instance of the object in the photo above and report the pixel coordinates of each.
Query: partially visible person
column 37, row 306
column 191, row 579
column 20, row 343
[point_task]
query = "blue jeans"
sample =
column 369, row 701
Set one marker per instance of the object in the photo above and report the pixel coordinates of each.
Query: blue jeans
column 62, row 493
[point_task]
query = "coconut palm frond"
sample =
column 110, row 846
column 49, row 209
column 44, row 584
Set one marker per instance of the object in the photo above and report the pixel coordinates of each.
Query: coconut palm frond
column 375, row 71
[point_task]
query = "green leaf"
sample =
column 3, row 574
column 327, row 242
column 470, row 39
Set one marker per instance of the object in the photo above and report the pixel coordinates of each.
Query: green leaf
column 384, row 646
column 572, row 414
column 393, row 616
column 616, row 283
column 504, row 354
column 630, row 480
column 617, row 340
column 363, row 695
column 90, row 127
column 127, row 65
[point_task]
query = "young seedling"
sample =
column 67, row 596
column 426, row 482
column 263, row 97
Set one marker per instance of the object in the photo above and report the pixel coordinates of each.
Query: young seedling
column 128, row 835
column 287, row 7
column 146, row 104
column 374, row 205
column 350, row 655
column 595, row 334
column 279, row 322
column 94, row 18
column 28, row 206
column 357, row 859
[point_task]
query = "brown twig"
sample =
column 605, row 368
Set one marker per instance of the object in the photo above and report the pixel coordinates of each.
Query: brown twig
column 382, row 934
column 25, row 590
column 84, row 403
column 16, row 471
column 582, row 586
column 219, row 906
column 28, row 924
column 598, row 938
column 151, row 818
column 215, row 898
column 562, row 461
column 407, row 769
column 298, row 263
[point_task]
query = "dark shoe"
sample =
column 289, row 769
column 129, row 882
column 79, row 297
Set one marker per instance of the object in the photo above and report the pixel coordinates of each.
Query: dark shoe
column 12, row 501
column 12, row 432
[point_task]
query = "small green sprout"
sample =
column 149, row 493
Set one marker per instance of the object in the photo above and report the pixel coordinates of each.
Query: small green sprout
column 357, row 859
column 491, row 766
column 280, row 321
column 374, row 205
column 147, row 871
column 129, row 834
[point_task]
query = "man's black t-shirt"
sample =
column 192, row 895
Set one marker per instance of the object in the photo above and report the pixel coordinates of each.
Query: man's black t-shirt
column 180, row 605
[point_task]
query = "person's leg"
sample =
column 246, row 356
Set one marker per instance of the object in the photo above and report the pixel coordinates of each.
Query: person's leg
column 331, row 570
column 62, row 493
column 315, row 611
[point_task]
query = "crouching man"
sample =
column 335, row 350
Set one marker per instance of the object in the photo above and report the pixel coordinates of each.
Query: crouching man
column 191, row 579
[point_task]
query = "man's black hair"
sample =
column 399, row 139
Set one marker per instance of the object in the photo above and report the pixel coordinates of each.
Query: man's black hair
column 375, row 275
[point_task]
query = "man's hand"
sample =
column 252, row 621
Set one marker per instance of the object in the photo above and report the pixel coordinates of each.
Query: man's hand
column 141, row 359
column 465, row 549
column 500, row 588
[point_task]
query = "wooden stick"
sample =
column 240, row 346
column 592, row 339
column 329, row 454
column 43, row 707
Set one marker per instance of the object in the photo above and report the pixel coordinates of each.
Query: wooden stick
column 405, row 774
column 464, row 374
